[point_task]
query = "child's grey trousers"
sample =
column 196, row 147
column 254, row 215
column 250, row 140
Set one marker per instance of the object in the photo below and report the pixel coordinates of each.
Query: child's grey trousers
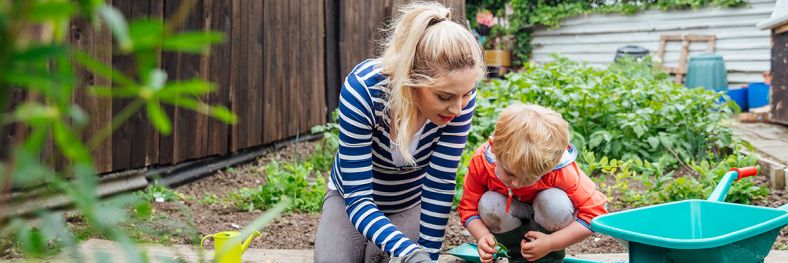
column 551, row 209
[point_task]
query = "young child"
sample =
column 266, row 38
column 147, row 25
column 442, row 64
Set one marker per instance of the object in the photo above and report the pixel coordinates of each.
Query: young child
column 524, row 190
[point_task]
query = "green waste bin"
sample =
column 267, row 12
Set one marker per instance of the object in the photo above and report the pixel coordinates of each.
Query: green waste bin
column 707, row 70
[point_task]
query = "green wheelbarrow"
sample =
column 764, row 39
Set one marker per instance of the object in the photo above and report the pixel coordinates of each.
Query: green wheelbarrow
column 696, row 231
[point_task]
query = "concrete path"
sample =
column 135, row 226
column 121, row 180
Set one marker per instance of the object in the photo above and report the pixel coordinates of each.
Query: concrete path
column 770, row 139
column 191, row 254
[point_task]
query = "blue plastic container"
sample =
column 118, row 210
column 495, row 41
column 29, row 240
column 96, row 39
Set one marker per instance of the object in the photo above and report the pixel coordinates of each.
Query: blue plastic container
column 739, row 95
column 757, row 94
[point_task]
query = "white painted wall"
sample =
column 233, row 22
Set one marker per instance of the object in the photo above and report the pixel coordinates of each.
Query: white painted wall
column 595, row 38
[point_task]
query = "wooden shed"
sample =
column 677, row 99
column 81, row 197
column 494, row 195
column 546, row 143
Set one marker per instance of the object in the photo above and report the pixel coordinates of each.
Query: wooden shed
column 778, row 24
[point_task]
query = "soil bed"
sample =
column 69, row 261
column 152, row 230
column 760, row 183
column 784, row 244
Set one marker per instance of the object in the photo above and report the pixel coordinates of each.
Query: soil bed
column 188, row 219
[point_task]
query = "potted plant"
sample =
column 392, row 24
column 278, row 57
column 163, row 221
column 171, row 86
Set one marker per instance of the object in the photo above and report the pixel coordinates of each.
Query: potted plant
column 494, row 39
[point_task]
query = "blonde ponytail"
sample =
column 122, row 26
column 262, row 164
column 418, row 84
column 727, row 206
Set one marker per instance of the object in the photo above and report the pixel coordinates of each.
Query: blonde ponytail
column 422, row 46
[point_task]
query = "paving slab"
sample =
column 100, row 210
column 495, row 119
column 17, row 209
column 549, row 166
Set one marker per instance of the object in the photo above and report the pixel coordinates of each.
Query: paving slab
column 768, row 138
column 158, row 253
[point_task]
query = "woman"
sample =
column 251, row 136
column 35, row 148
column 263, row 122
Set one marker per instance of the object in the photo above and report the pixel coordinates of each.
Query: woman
column 404, row 119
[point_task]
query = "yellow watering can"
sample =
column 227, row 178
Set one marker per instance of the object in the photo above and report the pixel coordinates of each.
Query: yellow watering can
column 228, row 245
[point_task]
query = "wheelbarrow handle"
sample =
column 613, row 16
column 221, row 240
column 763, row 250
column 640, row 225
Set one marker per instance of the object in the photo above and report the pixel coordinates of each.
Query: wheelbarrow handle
column 721, row 190
column 745, row 171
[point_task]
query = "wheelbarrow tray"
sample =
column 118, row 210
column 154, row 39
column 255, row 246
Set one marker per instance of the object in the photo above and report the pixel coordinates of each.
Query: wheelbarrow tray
column 695, row 231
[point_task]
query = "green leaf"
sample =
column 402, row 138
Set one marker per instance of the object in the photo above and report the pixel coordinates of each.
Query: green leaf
column 88, row 8
column 194, row 87
column 40, row 53
column 69, row 144
column 41, row 80
column 159, row 118
column 54, row 226
column 219, row 112
column 33, row 241
column 654, row 142
column 143, row 210
column 192, row 42
column 146, row 33
column 117, row 24
column 223, row 114
column 36, row 114
column 187, row 103
column 101, row 69
column 666, row 141
column 43, row 11
column 29, row 170
column 118, row 92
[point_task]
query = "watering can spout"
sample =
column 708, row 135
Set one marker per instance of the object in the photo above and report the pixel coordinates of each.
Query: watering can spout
column 249, row 239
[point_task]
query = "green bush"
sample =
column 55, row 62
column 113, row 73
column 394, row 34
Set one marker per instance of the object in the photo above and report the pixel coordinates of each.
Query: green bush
column 299, row 182
column 641, row 137
column 638, row 183
column 631, row 123
column 628, row 111
column 159, row 193
column 323, row 157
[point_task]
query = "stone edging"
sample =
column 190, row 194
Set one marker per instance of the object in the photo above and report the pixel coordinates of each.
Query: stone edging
column 775, row 171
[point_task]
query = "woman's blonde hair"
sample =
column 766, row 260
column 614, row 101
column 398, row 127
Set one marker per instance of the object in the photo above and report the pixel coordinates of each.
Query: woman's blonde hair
column 422, row 46
column 529, row 140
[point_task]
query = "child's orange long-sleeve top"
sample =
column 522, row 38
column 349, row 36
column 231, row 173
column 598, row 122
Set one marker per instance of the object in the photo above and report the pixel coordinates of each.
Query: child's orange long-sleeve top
column 587, row 200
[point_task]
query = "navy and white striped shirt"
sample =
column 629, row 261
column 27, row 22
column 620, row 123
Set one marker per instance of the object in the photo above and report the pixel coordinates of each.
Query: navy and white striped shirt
column 367, row 178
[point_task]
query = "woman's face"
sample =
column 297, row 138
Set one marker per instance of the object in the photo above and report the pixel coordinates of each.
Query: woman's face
column 442, row 104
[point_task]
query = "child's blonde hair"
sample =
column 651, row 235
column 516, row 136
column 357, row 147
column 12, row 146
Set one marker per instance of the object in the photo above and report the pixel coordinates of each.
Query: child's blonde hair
column 423, row 45
column 529, row 140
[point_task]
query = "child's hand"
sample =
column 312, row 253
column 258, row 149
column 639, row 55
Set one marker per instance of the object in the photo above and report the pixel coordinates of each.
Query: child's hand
column 487, row 248
column 537, row 246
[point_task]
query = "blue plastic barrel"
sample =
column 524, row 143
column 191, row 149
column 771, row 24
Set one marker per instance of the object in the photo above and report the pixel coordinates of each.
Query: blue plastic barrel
column 739, row 95
column 757, row 94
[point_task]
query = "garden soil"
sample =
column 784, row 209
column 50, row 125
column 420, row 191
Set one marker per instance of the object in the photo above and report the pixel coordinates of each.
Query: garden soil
column 297, row 231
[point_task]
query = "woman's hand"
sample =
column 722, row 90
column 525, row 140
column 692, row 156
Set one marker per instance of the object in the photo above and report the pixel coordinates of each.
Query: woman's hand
column 535, row 245
column 487, row 248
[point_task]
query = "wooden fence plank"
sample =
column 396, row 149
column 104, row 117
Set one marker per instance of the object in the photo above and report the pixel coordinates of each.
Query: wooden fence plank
column 220, row 15
column 317, row 93
column 169, row 62
column 130, row 141
column 153, row 136
column 235, row 87
column 332, row 65
column 273, row 67
column 187, row 129
column 292, row 85
column 138, row 126
column 121, row 145
column 254, row 75
column 97, row 43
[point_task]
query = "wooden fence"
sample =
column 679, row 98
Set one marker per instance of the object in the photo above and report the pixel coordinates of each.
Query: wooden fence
column 353, row 28
column 279, row 69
